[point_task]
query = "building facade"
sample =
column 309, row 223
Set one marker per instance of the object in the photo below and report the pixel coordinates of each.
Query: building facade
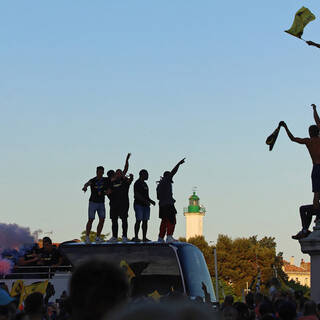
column 300, row 274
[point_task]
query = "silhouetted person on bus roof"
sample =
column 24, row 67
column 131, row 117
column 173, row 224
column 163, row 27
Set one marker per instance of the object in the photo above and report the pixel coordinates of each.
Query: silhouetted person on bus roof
column 313, row 146
column 167, row 210
column 99, row 188
column 119, row 200
column 142, row 203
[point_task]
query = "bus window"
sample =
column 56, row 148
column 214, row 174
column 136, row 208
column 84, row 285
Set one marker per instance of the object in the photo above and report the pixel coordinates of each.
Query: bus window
column 195, row 271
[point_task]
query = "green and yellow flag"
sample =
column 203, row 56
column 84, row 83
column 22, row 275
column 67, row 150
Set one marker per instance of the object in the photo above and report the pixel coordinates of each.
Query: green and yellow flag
column 301, row 19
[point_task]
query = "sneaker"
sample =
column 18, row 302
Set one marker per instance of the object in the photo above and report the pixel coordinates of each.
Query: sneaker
column 87, row 241
column 161, row 240
column 125, row 239
column 99, row 240
column 135, row 239
column 113, row 239
column 146, row 240
column 171, row 239
column 301, row 235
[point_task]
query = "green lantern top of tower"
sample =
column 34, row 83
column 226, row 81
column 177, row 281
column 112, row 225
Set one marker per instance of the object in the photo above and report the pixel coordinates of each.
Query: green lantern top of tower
column 194, row 203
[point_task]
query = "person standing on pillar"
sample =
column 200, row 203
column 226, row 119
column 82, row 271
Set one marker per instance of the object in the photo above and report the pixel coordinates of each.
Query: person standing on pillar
column 119, row 200
column 167, row 210
column 313, row 146
column 142, row 205
column 99, row 188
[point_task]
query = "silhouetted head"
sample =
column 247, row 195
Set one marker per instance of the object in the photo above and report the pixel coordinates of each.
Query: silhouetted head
column 34, row 304
column 100, row 171
column 96, row 287
column 110, row 174
column 228, row 300
column 144, row 175
column 47, row 243
column 287, row 310
column 313, row 131
column 310, row 308
column 119, row 173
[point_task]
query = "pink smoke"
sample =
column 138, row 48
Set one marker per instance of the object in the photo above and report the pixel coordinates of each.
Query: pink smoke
column 5, row 267
column 14, row 236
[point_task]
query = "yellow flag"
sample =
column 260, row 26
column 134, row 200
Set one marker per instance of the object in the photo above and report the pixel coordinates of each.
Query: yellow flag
column 155, row 295
column 125, row 266
column 17, row 288
column 34, row 287
column 301, row 19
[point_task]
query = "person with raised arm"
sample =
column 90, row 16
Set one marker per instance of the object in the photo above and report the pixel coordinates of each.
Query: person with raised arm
column 99, row 188
column 119, row 200
column 167, row 210
column 313, row 146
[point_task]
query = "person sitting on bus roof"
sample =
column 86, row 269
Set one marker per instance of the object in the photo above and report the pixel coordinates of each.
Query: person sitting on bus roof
column 49, row 255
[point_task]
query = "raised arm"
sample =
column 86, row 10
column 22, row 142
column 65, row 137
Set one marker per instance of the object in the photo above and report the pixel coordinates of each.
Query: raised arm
column 315, row 115
column 175, row 169
column 311, row 43
column 126, row 166
column 291, row 136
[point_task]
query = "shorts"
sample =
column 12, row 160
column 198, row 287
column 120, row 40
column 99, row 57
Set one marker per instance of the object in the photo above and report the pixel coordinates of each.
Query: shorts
column 168, row 212
column 315, row 178
column 118, row 212
column 98, row 207
column 142, row 212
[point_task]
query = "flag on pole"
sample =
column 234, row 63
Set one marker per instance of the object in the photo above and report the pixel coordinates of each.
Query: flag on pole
column 271, row 140
column 301, row 19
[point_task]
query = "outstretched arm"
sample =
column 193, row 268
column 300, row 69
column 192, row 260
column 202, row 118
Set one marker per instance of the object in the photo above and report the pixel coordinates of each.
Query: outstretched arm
column 175, row 169
column 311, row 43
column 315, row 115
column 291, row 136
column 126, row 166
column 86, row 185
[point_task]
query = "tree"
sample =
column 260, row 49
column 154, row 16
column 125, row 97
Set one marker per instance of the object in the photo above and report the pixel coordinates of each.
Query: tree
column 240, row 261
column 92, row 236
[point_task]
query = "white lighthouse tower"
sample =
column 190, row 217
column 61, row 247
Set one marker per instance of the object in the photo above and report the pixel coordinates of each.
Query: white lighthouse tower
column 194, row 216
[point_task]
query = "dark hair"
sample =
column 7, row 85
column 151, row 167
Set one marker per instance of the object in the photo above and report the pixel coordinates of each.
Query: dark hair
column 228, row 300
column 287, row 311
column 34, row 303
column 310, row 308
column 143, row 171
column 96, row 287
column 100, row 168
column 110, row 173
column 313, row 131
column 47, row 239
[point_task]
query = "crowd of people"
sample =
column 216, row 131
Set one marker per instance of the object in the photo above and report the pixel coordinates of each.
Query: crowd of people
column 116, row 187
column 101, row 291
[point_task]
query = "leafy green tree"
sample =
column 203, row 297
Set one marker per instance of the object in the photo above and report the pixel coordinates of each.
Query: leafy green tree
column 93, row 235
column 240, row 261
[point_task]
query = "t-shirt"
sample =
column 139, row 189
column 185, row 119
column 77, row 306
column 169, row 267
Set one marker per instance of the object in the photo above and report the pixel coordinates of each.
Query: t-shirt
column 119, row 197
column 141, row 188
column 49, row 258
column 98, row 188
column 164, row 191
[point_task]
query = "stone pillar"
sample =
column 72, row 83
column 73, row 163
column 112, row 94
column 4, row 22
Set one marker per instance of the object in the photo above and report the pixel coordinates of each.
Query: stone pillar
column 311, row 245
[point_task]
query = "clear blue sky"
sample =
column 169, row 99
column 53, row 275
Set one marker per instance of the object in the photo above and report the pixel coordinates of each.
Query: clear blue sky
column 82, row 83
